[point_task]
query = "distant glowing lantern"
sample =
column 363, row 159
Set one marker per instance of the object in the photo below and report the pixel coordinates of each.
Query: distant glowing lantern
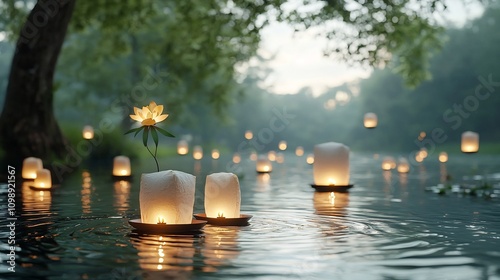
column 331, row 164
column 299, row 151
column 215, row 154
column 422, row 135
column 182, row 147
column 443, row 157
column 418, row 158
column 30, row 166
column 403, row 166
column 423, row 153
column 310, row 159
column 271, row 155
column 197, row 152
column 222, row 196
column 236, row 158
column 282, row 145
column 264, row 165
column 248, row 134
column 167, row 197
column 253, row 156
column 88, row 132
column 370, row 120
column 388, row 163
column 43, row 179
column 280, row 158
column 470, row 142
column 121, row 166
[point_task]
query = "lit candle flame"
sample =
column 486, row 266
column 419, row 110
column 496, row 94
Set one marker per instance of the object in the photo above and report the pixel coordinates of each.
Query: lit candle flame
column 220, row 215
column 331, row 181
column 161, row 221
column 124, row 172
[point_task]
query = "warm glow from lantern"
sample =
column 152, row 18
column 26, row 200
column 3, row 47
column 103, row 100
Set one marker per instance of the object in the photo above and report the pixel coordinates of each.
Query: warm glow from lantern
column 443, row 157
column 167, row 196
column 299, row 151
column 388, row 163
column 403, row 166
column 182, row 147
column 121, row 166
column 248, row 134
column 470, row 142
column 422, row 135
column 222, row 195
column 263, row 165
column 271, row 156
column 282, row 145
column 253, row 156
column 423, row 153
column 215, row 154
column 419, row 158
column 370, row 120
column 310, row 159
column 331, row 164
column 197, row 152
column 43, row 179
column 30, row 166
column 236, row 158
column 88, row 132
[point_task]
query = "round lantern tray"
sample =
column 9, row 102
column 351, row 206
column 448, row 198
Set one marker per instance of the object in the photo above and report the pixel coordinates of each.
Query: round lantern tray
column 122, row 178
column 241, row 221
column 44, row 189
column 195, row 225
column 332, row 188
column 263, row 172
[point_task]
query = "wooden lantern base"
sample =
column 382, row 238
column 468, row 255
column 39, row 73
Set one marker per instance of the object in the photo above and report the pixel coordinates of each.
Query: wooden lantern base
column 241, row 221
column 331, row 188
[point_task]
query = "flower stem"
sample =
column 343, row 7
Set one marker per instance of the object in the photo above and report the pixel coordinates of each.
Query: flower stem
column 154, row 156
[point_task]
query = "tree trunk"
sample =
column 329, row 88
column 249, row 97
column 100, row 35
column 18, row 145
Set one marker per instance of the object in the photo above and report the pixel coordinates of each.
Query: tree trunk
column 27, row 123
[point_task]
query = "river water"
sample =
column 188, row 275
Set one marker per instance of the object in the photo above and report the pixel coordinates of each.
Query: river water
column 389, row 226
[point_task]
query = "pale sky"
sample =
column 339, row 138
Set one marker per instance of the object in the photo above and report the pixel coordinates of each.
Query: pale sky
column 300, row 62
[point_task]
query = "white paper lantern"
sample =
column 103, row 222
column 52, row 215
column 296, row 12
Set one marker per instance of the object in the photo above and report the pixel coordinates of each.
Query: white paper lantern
column 282, row 145
column 264, row 165
column 121, row 166
column 167, row 197
column 331, row 164
column 370, row 120
column 30, row 166
column 236, row 158
column 403, row 166
column 215, row 154
column 299, row 151
column 197, row 152
column 388, row 163
column 443, row 157
column 222, row 195
column 43, row 179
column 248, row 134
column 182, row 147
column 88, row 132
column 470, row 142
column 310, row 159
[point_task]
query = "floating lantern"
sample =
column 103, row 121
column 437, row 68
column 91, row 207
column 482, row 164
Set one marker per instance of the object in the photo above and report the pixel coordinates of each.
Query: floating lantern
column 197, row 152
column 167, row 197
column 470, row 142
column 271, row 155
column 388, row 163
column 30, row 166
column 215, row 154
column 418, row 158
column 299, row 151
column 264, row 165
column 370, row 120
column 182, row 147
column 43, row 179
column 236, row 158
column 443, row 157
column 331, row 164
column 423, row 153
column 422, row 135
column 88, row 132
column 248, row 134
column 121, row 166
column 310, row 159
column 282, row 145
column 253, row 156
column 403, row 166
column 222, row 196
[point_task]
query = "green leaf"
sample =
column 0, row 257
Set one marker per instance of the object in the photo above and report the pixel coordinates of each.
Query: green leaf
column 164, row 132
column 155, row 135
column 145, row 136
column 134, row 130
column 140, row 129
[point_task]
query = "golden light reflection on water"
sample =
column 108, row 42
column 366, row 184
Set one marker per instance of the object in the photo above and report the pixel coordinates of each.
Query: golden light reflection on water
column 36, row 201
column 220, row 246
column 85, row 192
column 443, row 173
column 122, row 194
column 331, row 203
column 263, row 182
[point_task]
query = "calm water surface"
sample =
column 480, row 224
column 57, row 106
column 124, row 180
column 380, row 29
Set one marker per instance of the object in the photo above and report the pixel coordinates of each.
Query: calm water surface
column 387, row 227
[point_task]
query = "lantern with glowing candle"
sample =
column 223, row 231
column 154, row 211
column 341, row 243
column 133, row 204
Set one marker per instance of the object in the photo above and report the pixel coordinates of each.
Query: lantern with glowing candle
column 282, row 145
column 215, row 154
column 182, row 147
column 88, row 132
column 331, row 166
column 30, row 166
column 263, row 165
column 43, row 179
column 310, row 159
column 236, row 158
column 470, row 142
column 299, row 151
column 197, row 152
column 443, row 157
column 388, row 163
column 370, row 120
column 167, row 197
column 403, row 166
column 121, row 166
column 271, row 155
column 248, row 134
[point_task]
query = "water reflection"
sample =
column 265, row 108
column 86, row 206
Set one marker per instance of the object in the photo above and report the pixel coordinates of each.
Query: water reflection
column 86, row 192
column 36, row 201
column 443, row 172
column 331, row 203
column 122, row 194
column 403, row 179
column 263, row 182
column 197, row 168
column 221, row 246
